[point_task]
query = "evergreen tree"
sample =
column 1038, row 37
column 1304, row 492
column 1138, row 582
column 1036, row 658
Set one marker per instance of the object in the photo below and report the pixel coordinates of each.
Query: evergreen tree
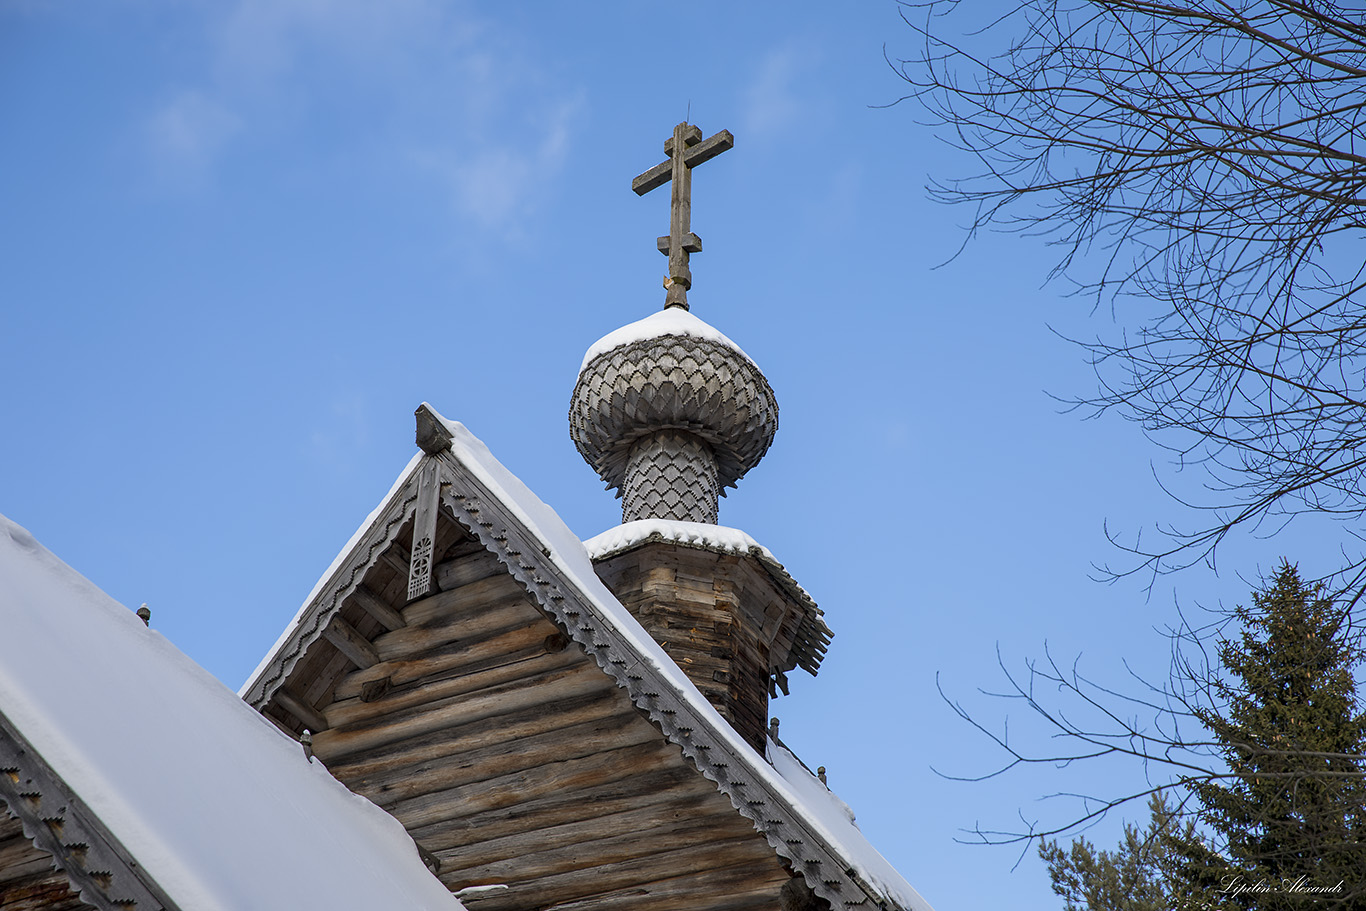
column 1130, row 878
column 1288, row 814
column 1291, row 731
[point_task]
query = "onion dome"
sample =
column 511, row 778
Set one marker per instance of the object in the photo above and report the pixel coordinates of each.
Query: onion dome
column 670, row 412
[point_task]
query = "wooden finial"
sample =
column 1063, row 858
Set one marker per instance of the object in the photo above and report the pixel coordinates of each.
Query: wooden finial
column 432, row 435
column 773, row 729
column 145, row 613
column 820, row 773
column 306, row 741
column 686, row 150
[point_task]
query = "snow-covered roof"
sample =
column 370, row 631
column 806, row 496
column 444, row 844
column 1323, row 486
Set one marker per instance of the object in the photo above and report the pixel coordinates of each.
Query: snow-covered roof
column 623, row 648
column 670, row 321
column 213, row 802
column 836, row 821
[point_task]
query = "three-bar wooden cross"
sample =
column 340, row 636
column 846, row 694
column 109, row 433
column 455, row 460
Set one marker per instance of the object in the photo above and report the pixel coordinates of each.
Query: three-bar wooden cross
column 686, row 150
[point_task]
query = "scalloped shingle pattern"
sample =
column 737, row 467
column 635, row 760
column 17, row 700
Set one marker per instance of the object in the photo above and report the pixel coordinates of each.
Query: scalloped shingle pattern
column 672, row 383
column 671, row 475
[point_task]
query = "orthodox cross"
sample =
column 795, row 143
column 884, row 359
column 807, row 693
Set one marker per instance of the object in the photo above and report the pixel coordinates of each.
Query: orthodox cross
column 686, row 150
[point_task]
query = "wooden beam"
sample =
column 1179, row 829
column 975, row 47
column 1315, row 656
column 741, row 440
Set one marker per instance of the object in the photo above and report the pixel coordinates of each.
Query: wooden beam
column 397, row 558
column 369, row 602
column 311, row 717
column 351, row 643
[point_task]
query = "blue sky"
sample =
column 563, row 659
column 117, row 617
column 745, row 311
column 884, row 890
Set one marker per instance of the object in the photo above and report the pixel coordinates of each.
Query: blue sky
column 243, row 240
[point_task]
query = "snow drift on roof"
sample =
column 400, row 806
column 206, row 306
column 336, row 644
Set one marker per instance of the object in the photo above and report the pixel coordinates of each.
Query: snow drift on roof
column 790, row 778
column 219, row 806
column 835, row 821
column 671, row 321
column 570, row 555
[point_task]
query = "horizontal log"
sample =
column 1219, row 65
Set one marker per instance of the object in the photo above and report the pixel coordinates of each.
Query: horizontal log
column 447, row 792
column 24, row 862
column 638, row 873
column 537, row 689
column 463, row 570
column 746, row 887
column 488, row 666
column 457, row 840
column 462, row 657
column 575, row 716
column 463, row 601
column 537, row 854
column 415, row 654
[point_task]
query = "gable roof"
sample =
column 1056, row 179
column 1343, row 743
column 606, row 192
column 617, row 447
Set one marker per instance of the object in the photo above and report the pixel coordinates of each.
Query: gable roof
column 554, row 568
column 147, row 779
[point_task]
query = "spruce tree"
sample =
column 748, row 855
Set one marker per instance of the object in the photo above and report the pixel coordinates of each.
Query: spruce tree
column 1287, row 813
column 1131, row 878
column 1288, row 724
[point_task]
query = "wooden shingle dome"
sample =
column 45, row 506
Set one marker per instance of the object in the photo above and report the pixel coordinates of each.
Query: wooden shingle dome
column 670, row 412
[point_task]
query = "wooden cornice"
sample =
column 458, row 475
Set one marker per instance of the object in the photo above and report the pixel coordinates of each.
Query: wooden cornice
column 57, row 821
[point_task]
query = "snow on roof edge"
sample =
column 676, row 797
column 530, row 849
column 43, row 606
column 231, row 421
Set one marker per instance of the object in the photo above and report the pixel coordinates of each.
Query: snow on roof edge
column 834, row 819
column 191, row 810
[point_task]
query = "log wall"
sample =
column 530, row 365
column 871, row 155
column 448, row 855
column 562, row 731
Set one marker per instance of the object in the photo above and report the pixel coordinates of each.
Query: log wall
column 719, row 616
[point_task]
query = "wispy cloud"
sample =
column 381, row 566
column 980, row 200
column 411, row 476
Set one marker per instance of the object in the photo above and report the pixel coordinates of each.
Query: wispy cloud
column 188, row 131
column 497, row 180
column 773, row 102
column 427, row 85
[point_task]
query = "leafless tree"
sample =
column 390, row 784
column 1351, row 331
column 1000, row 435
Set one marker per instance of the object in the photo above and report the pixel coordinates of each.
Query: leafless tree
column 1201, row 167
column 1253, row 748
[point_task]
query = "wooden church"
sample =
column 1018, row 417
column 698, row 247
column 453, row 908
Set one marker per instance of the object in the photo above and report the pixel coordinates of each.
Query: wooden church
column 554, row 723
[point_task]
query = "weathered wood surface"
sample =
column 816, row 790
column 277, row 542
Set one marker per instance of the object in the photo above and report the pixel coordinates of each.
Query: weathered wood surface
column 643, row 873
column 738, row 891
column 311, row 717
column 463, row 709
column 512, row 757
column 376, row 607
column 423, row 540
column 736, row 888
column 430, row 759
column 27, row 880
column 719, row 616
column 350, row 642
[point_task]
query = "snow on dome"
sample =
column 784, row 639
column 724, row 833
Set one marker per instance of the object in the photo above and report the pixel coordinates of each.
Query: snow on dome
column 671, row 321
column 711, row 537
column 670, row 412
column 221, row 808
